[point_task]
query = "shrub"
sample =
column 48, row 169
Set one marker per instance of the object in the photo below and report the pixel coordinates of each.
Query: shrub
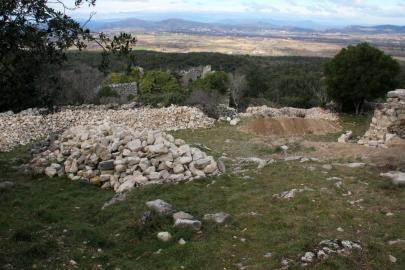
column 106, row 91
column 207, row 101
column 121, row 77
column 158, row 82
column 217, row 81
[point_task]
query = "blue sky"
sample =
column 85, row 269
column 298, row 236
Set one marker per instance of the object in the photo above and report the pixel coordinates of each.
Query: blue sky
column 338, row 12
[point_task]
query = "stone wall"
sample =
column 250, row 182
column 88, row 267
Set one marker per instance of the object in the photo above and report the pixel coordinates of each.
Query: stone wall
column 125, row 89
column 192, row 74
column 388, row 121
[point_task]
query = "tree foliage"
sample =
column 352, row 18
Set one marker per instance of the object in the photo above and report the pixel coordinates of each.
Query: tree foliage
column 360, row 73
column 34, row 37
column 158, row 82
column 218, row 81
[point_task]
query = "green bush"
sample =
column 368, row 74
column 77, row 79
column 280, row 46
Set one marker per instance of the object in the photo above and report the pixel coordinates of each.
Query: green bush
column 158, row 82
column 218, row 81
column 106, row 91
column 121, row 77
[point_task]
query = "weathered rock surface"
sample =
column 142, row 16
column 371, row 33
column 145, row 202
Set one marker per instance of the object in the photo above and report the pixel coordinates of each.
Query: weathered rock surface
column 33, row 124
column 346, row 137
column 188, row 224
column 161, row 207
column 398, row 178
column 164, row 236
column 217, row 218
column 121, row 158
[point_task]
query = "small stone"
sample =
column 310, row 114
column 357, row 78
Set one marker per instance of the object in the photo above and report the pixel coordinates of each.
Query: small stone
column 188, row 224
column 164, row 236
column 355, row 165
column 218, row 217
column 327, row 167
column 340, row 229
column 268, row 255
column 50, row 171
column 182, row 242
column 392, row 259
column 182, row 215
column 106, row 165
column 308, row 257
column 161, row 207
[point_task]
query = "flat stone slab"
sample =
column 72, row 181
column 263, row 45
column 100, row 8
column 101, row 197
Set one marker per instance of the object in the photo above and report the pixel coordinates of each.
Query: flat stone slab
column 161, row 207
column 398, row 178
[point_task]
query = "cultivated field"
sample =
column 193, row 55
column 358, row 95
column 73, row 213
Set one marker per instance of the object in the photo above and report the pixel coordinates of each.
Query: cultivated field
column 315, row 45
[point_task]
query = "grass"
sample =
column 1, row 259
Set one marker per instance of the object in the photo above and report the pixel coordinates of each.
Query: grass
column 357, row 124
column 46, row 222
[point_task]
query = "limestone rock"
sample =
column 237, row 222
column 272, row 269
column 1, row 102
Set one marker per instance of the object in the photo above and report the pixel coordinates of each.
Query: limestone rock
column 398, row 178
column 217, row 218
column 182, row 215
column 188, row 224
column 161, row 207
column 164, row 236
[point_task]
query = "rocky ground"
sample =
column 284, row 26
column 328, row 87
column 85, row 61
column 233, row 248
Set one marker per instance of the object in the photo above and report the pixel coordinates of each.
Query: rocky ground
column 288, row 202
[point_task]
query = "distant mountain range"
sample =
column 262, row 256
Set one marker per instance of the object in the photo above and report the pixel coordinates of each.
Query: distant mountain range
column 235, row 27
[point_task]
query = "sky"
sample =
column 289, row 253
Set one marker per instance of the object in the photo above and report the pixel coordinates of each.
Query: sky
column 332, row 12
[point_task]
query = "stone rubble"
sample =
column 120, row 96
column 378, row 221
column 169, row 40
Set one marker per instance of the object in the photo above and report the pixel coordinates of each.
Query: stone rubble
column 346, row 137
column 388, row 121
column 329, row 247
column 313, row 113
column 291, row 193
column 33, row 124
column 121, row 158
column 182, row 220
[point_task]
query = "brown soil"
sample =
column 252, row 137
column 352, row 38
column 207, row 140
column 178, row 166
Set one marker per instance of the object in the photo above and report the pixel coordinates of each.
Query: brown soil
column 392, row 158
column 285, row 126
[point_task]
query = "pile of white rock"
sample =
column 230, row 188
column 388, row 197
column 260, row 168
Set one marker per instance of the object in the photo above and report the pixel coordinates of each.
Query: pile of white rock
column 330, row 247
column 121, row 158
column 388, row 121
column 313, row 113
column 24, row 127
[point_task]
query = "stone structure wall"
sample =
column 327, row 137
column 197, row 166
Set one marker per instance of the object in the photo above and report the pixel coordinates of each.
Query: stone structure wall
column 125, row 89
column 388, row 121
column 192, row 74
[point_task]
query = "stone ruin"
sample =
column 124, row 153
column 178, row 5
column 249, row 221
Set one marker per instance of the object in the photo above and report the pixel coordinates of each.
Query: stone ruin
column 124, row 90
column 388, row 121
column 194, row 73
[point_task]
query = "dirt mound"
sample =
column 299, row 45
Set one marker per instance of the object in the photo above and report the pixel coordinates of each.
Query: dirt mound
column 285, row 126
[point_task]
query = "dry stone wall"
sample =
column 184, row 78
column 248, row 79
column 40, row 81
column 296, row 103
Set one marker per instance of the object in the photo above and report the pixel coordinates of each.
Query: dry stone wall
column 388, row 121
